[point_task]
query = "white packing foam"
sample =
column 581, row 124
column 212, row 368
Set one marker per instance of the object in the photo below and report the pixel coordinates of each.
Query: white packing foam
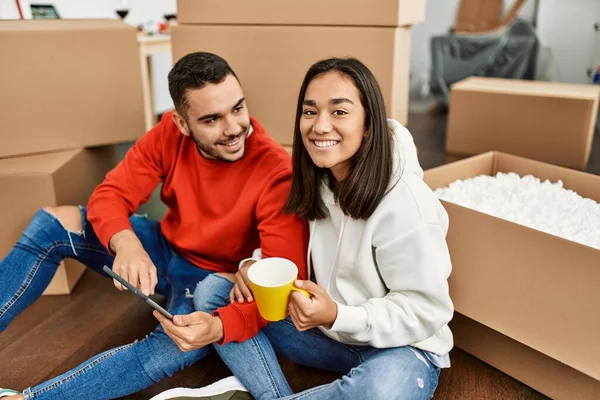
column 545, row 206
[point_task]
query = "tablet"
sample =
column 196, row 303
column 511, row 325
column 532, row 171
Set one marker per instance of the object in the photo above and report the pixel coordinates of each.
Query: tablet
column 137, row 292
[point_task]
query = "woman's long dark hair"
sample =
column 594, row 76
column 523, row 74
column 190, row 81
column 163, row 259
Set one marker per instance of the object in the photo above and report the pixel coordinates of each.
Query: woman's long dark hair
column 371, row 167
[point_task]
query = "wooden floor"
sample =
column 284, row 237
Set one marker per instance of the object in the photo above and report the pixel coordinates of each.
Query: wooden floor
column 58, row 333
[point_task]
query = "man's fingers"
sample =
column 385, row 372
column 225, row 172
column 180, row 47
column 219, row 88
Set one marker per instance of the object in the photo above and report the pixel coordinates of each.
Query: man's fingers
column 115, row 282
column 174, row 332
column 144, row 285
column 132, row 277
column 232, row 295
column 153, row 278
column 117, row 285
column 197, row 317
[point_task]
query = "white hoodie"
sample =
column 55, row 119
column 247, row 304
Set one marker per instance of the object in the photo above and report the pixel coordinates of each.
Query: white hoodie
column 388, row 274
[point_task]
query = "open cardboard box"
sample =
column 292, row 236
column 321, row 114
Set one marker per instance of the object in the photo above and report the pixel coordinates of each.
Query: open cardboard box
column 527, row 302
column 61, row 178
column 546, row 121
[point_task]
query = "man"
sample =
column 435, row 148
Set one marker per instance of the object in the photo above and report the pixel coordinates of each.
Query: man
column 224, row 181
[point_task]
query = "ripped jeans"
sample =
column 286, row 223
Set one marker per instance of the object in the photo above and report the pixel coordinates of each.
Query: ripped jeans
column 369, row 373
column 27, row 270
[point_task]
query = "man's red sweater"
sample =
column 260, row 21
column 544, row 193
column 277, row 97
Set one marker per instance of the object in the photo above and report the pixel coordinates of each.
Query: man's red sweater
column 217, row 212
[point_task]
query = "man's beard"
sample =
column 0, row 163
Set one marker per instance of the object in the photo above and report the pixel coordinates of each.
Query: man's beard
column 213, row 152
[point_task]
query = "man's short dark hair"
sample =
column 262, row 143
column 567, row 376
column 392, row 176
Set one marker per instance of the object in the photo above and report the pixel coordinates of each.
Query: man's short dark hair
column 194, row 71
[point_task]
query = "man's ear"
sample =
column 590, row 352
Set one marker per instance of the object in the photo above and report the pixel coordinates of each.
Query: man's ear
column 181, row 124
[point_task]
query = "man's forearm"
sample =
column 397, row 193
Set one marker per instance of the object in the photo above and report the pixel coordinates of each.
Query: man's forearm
column 217, row 330
column 122, row 239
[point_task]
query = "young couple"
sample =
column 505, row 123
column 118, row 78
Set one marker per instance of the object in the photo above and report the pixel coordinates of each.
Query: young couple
column 377, row 254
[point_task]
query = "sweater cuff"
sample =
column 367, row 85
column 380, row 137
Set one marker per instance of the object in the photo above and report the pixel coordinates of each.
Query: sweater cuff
column 109, row 228
column 350, row 319
column 233, row 323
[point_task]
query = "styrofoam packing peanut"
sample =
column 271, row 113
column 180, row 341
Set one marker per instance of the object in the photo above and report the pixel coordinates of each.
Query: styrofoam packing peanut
column 544, row 206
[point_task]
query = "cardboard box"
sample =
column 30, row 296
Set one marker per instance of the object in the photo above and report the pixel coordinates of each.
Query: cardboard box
column 532, row 296
column 271, row 62
column 62, row 178
column 306, row 12
column 478, row 15
column 68, row 84
column 545, row 121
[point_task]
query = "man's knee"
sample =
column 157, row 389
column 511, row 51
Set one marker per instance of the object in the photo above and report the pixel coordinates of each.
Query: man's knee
column 212, row 293
column 68, row 216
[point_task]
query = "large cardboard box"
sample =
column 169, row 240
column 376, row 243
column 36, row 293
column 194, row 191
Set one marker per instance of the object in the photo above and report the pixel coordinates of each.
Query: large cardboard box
column 546, row 121
column 306, row 12
column 68, row 84
column 271, row 62
column 62, row 178
column 526, row 300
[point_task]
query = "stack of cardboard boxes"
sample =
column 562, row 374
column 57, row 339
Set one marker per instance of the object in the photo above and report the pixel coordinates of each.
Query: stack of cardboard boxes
column 526, row 301
column 69, row 91
column 272, row 43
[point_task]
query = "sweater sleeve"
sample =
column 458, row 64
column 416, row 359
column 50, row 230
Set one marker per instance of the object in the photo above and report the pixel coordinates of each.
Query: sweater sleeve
column 281, row 235
column 415, row 269
column 127, row 186
column 241, row 321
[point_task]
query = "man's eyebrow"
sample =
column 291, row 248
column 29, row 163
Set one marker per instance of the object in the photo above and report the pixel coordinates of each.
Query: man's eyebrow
column 239, row 103
column 217, row 115
column 209, row 116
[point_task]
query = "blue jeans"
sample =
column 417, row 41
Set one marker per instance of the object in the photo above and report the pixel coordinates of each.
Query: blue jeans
column 369, row 373
column 27, row 270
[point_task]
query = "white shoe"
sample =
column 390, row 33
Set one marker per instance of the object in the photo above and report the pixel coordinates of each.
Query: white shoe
column 228, row 385
column 7, row 392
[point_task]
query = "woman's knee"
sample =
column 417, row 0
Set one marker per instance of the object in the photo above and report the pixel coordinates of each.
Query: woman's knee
column 398, row 373
column 211, row 293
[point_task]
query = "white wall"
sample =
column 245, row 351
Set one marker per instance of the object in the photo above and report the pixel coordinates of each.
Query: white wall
column 140, row 12
column 565, row 26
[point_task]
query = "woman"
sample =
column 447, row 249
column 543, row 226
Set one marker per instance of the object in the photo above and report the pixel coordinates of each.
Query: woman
column 379, row 261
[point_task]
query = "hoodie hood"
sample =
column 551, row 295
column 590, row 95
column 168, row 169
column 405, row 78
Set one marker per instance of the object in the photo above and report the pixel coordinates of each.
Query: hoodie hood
column 405, row 153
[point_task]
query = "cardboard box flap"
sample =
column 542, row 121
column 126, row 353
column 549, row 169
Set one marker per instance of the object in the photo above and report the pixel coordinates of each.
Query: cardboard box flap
column 306, row 12
column 444, row 175
column 63, row 24
column 528, row 88
column 38, row 164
